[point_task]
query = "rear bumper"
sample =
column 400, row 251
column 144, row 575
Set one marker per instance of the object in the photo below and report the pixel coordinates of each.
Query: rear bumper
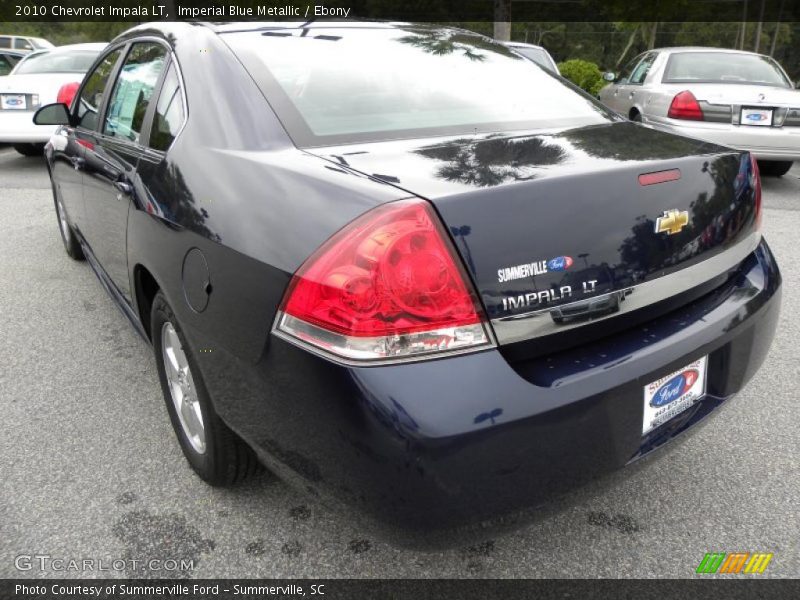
column 18, row 128
column 473, row 436
column 766, row 143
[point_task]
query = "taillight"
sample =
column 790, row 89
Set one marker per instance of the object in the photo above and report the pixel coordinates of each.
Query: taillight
column 386, row 286
column 67, row 93
column 755, row 183
column 685, row 106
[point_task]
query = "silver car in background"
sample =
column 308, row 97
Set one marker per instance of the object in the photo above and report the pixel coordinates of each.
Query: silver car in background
column 739, row 99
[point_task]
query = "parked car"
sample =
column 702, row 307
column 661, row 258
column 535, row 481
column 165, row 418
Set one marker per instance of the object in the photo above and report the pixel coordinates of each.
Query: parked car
column 347, row 272
column 9, row 58
column 738, row 99
column 535, row 53
column 24, row 43
column 40, row 78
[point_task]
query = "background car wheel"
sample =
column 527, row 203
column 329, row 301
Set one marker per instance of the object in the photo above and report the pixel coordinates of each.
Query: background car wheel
column 29, row 149
column 776, row 168
column 71, row 243
column 636, row 117
column 215, row 452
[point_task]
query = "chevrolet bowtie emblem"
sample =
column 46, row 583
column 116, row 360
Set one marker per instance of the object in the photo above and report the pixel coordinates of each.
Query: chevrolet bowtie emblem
column 672, row 221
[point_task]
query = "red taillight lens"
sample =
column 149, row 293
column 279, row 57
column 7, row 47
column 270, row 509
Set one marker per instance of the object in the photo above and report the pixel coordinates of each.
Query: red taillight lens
column 67, row 93
column 685, row 106
column 386, row 286
column 756, row 185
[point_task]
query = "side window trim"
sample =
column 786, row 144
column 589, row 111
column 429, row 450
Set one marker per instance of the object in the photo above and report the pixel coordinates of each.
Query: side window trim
column 150, row 118
column 144, row 136
column 646, row 56
column 101, row 110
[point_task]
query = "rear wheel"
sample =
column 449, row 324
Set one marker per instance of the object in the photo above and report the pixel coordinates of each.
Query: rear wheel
column 636, row 116
column 776, row 168
column 29, row 149
column 215, row 452
column 71, row 244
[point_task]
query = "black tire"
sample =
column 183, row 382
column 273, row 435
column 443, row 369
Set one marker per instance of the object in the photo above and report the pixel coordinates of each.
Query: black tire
column 775, row 168
column 636, row 116
column 29, row 149
column 71, row 244
column 226, row 459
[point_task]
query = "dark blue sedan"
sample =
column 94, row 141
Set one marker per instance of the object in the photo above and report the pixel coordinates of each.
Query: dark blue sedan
column 405, row 266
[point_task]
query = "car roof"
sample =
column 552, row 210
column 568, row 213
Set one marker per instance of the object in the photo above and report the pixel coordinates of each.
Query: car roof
column 362, row 24
column 522, row 45
column 680, row 49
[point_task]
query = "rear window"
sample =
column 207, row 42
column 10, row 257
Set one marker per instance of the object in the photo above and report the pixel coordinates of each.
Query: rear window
column 331, row 86
column 724, row 67
column 67, row 61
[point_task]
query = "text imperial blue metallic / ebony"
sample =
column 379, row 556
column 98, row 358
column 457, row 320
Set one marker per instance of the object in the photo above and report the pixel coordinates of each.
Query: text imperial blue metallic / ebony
column 442, row 291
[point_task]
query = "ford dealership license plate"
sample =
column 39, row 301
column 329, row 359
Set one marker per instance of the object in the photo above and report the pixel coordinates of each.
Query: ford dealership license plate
column 673, row 394
column 756, row 116
column 12, row 101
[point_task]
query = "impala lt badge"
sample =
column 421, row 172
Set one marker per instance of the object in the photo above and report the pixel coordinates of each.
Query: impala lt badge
column 672, row 221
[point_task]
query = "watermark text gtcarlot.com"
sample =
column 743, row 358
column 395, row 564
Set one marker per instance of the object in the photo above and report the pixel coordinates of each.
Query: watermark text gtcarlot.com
column 45, row 562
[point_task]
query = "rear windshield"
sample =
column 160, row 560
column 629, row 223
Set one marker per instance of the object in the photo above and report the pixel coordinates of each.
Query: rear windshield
column 723, row 67
column 331, row 86
column 65, row 61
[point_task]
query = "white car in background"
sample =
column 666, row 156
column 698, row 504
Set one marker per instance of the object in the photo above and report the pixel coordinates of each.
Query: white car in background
column 739, row 99
column 534, row 53
column 24, row 43
column 41, row 77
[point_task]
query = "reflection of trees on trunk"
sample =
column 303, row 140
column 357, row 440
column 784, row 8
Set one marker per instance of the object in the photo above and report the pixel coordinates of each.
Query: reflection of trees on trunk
column 713, row 221
column 491, row 162
column 448, row 41
column 627, row 141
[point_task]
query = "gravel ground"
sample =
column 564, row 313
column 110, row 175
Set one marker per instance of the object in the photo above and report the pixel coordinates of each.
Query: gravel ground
column 89, row 466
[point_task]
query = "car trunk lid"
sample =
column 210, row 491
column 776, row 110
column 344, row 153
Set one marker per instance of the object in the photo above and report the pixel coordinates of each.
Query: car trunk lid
column 563, row 224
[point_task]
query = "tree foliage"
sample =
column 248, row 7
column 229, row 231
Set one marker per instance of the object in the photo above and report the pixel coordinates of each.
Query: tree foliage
column 584, row 74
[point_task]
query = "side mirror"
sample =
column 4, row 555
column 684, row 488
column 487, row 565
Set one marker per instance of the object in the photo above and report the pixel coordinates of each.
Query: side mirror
column 609, row 76
column 52, row 114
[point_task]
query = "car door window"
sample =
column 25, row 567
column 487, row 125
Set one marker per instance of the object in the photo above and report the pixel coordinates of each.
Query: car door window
column 22, row 44
column 5, row 65
column 641, row 70
column 133, row 90
column 91, row 97
column 5, row 42
column 625, row 74
column 170, row 112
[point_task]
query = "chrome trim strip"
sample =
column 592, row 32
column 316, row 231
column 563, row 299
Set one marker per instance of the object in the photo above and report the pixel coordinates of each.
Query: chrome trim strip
column 276, row 330
column 539, row 323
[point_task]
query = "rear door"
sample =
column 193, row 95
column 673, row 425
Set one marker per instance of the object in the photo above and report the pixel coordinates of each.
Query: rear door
column 623, row 95
column 112, row 155
column 69, row 142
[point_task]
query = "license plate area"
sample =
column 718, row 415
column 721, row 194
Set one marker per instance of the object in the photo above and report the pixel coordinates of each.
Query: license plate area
column 13, row 102
column 757, row 117
column 672, row 394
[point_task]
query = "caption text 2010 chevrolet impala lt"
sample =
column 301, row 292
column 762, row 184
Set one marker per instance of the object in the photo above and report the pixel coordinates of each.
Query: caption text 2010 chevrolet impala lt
column 406, row 265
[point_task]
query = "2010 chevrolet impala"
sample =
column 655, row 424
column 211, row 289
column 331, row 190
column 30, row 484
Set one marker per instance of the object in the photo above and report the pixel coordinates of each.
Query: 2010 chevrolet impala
column 403, row 264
